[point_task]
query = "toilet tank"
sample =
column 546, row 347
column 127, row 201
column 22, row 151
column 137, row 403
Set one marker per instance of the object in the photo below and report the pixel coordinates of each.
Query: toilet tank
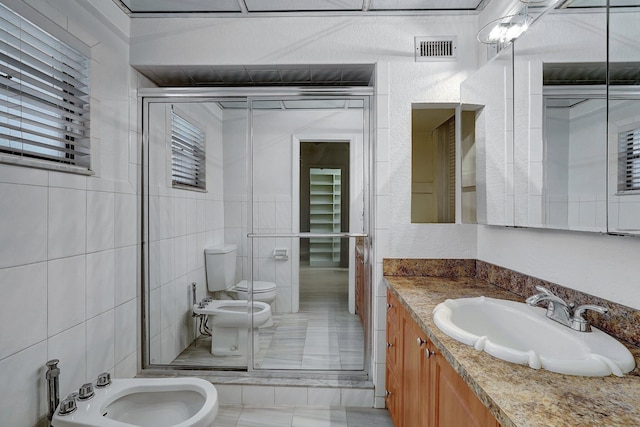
column 220, row 263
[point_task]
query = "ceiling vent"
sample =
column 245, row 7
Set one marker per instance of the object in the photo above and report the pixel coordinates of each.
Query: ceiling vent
column 436, row 48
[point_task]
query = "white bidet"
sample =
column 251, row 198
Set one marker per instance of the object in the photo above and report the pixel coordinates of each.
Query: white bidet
column 144, row 402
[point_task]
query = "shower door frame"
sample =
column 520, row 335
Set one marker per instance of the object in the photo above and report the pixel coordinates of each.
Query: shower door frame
column 185, row 94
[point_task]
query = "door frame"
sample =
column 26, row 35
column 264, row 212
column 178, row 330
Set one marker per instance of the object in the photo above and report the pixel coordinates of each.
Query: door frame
column 355, row 179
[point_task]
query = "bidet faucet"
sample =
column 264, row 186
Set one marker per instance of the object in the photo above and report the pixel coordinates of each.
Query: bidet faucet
column 53, row 387
column 563, row 313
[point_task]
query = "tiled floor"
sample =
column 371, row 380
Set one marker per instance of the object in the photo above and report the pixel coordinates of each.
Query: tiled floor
column 321, row 336
column 246, row 416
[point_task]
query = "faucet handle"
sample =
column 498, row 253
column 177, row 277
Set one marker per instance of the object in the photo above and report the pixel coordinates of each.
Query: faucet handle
column 86, row 391
column 579, row 323
column 67, row 406
column 104, row 379
column 544, row 290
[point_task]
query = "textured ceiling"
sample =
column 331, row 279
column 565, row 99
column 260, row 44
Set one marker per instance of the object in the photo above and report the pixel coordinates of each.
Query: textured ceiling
column 260, row 75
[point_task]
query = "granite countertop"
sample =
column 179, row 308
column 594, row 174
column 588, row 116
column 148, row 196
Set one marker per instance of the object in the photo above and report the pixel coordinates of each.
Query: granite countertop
column 518, row 395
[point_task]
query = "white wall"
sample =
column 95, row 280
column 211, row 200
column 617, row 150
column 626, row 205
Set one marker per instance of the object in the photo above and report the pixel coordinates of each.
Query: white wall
column 70, row 243
column 491, row 88
column 400, row 81
column 600, row 265
column 181, row 224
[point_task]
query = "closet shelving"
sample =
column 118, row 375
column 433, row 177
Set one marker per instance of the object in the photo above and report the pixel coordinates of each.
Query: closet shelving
column 324, row 216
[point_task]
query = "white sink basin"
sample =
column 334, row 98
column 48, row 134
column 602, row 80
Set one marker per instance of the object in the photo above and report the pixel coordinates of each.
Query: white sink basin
column 519, row 333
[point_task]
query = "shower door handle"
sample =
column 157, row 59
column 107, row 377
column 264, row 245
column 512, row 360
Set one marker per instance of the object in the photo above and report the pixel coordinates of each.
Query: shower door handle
column 307, row 235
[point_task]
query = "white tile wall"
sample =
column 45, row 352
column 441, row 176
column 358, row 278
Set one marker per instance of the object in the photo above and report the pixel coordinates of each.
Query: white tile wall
column 263, row 395
column 24, row 214
column 66, row 240
column 100, row 344
column 100, row 221
column 21, row 287
column 70, row 347
column 67, row 222
column 66, row 292
column 23, row 402
column 100, row 282
column 323, row 397
column 291, row 396
column 258, row 395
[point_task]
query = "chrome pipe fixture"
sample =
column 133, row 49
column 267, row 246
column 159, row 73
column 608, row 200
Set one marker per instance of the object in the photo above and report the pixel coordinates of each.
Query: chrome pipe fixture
column 563, row 313
column 53, row 387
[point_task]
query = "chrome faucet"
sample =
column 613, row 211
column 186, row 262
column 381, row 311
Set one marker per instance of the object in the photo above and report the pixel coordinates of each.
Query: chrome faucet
column 563, row 313
column 578, row 322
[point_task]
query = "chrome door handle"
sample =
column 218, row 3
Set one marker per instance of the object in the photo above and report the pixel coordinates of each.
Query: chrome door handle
column 420, row 341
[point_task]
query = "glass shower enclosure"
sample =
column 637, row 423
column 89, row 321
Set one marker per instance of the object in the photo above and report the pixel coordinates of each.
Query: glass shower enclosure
column 286, row 185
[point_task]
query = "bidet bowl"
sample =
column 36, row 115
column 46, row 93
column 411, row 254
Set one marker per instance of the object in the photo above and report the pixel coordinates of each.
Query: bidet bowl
column 147, row 402
column 519, row 333
column 235, row 313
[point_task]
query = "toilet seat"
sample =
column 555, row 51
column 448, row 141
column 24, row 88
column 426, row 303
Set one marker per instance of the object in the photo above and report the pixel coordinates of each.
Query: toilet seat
column 258, row 286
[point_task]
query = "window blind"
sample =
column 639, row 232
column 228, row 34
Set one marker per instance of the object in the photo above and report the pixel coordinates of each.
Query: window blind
column 187, row 153
column 44, row 94
column 629, row 160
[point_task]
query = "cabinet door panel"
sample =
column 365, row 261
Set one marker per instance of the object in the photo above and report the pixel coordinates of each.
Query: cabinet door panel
column 413, row 381
column 393, row 398
column 456, row 404
column 394, row 331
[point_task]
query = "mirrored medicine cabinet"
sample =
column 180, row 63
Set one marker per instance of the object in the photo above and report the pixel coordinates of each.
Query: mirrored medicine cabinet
column 558, row 123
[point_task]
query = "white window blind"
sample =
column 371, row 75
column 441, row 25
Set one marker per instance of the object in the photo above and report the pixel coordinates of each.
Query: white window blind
column 187, row 153
column 44, row 94
column 629, row 160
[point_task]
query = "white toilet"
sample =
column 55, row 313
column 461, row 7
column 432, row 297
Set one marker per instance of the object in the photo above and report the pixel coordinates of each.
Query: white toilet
column 221, row 273
column 230, row 320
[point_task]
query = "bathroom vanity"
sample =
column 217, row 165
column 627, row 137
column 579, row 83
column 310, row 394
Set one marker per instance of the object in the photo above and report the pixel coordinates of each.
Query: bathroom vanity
column 434, row 380
column 422, row 387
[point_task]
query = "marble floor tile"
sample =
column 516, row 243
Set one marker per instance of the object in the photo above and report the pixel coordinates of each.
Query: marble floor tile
column 266, row 417
column 364, row 417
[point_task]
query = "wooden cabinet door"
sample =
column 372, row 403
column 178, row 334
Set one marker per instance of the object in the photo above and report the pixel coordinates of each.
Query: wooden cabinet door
column 393, row 372
column 413, row 381
column 423, row 390
column 455, row 404
column 393, row 397
column 394, row 332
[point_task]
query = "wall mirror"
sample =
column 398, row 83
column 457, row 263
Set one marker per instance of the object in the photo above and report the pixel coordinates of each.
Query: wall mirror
column 489, row 92
column 560, row 121
column 624, row 119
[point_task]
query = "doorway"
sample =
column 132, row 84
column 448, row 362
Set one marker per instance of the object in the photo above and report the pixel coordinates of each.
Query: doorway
column 324, row 202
